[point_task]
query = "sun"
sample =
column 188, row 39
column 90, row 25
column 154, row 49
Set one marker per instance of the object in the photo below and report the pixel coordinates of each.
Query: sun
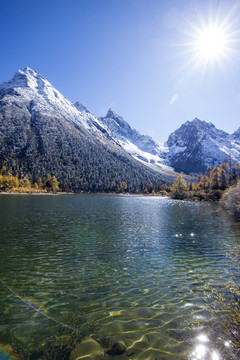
column 211, row 43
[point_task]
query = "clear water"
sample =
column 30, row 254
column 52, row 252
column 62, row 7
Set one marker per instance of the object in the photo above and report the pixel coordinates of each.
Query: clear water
column 131, row 268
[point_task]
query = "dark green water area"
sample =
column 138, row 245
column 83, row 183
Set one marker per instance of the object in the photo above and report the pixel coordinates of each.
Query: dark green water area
column 113, row 277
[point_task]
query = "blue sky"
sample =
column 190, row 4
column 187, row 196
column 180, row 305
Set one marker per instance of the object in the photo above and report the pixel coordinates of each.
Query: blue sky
column 135, row 56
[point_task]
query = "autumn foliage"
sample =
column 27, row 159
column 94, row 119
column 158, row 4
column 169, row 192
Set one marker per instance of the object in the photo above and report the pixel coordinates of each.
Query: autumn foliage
column 23, row 184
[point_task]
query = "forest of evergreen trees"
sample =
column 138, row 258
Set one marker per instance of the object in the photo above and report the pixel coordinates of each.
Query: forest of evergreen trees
column 11, row 182
column 220, row 183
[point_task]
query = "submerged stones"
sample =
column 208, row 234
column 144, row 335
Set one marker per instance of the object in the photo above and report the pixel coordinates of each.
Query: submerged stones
column 114, row 345
column 118, row 348
column 88, row 349
column 67, row 347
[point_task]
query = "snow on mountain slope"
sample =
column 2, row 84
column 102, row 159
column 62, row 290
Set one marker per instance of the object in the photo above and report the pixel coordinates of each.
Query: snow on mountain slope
column 141, row 147
column 44, row 98
column 236, row 136
column 190, row 149
column 198, row 144
column 42, row 132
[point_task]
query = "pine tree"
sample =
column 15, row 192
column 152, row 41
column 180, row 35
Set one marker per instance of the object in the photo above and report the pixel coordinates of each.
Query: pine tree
column 35, row 186
column 27, row 183
column 3, row 170
column 234, row 176
column 179, row 185
column 54, row 184
column 223, row 179
column 113, row 185
column 208, row 172
column 47, row 181
column 39, row 182
column 150, row 187
column 214, row 178
column 237, row 166
column 230, row 166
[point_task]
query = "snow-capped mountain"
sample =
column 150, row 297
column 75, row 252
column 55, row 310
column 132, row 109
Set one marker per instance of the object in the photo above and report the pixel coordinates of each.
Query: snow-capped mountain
column 44, row 98
column 198, row 144
column 236, row 136
column 142, row 147
column 192, row 148
column 42, row 132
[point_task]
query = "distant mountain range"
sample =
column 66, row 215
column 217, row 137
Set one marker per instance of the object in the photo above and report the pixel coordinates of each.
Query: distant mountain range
column 42, row 132
column 192, row 148
column 197, row 145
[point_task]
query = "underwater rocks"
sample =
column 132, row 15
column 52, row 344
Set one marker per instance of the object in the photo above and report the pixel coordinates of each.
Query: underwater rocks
column 92, row 350
column 67, row 347
column 117, row 348
column 114, row 345
column 88, row 349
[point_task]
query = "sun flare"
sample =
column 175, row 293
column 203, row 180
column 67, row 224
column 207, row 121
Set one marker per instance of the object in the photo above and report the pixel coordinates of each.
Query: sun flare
column 211, row 43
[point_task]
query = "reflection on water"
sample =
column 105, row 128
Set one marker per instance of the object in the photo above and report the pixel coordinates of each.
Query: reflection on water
column 128, row 269
column 204, row 349
column 201, row 349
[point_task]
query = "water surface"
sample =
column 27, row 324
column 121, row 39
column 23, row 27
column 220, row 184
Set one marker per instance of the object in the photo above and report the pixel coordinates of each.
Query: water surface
column 131, row 268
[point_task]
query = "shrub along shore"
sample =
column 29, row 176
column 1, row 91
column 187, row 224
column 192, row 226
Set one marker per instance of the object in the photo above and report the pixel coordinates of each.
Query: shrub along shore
column 222, row 183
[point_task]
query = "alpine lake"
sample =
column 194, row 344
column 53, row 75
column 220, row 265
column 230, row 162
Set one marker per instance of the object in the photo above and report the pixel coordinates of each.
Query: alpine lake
column 114, row 277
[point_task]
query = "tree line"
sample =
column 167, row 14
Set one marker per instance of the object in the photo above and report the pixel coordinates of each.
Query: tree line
column 221, row 183
column 209, row 186
column 14, row 183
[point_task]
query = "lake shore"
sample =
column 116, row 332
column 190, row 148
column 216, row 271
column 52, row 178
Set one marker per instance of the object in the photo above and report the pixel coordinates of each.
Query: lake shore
column 30, row 193
column 76, row 193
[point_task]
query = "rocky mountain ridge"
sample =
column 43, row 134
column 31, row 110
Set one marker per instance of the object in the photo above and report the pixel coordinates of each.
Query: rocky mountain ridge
column 192, row 148
column 142, row 147
column 196, row 145
column 41, row 131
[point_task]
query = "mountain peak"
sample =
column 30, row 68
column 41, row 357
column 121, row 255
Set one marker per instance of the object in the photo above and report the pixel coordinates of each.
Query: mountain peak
column 25, row 78
column 200, row 125
column 112, row 114
column 198, row 144
column 236, row 134
column 43, row 132
column 197, row 120
column 28, row 71
column 33, row 86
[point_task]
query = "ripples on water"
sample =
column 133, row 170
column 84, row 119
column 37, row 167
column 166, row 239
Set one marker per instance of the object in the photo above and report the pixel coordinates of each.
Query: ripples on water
column 130, row 267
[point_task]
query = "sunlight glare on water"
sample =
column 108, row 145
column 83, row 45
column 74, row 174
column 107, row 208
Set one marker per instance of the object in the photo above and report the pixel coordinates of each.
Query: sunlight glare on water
column 202, row 349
